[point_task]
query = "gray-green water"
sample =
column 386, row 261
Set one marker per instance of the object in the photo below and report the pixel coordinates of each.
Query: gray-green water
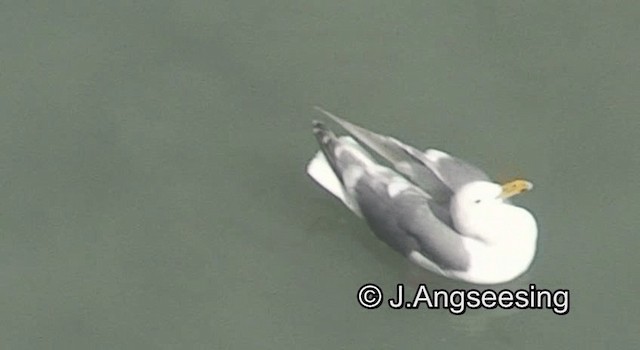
column 152, row 186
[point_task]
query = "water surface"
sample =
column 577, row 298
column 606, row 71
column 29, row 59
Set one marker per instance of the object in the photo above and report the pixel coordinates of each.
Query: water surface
column 153, row 187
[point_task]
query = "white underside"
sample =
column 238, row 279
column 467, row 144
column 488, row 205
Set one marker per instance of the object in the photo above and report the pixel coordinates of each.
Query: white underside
column 488, row 265
column 491, row 265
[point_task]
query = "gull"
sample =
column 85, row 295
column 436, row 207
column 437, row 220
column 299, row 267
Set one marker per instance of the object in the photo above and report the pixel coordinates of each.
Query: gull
column 442, row 213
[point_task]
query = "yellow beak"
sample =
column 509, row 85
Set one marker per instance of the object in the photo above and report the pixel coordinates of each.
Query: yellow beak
column 514, row 187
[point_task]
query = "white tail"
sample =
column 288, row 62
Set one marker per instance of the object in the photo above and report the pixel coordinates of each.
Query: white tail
column 320, row 170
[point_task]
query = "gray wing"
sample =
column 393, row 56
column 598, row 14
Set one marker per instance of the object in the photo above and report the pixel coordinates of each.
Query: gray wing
column 438, row 173
column 407, row 222
column 452, row 171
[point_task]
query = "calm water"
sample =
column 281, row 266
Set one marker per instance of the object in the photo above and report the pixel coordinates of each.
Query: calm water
column 152, row 167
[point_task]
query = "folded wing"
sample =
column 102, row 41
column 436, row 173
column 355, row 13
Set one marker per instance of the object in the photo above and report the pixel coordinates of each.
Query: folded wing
column 436, row 172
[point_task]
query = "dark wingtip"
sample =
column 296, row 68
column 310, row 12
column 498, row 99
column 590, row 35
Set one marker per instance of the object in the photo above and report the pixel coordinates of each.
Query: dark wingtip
column 322, row 134
column 318, row 126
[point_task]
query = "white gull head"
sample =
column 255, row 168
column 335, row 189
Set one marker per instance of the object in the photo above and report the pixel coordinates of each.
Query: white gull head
column 503, row 236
